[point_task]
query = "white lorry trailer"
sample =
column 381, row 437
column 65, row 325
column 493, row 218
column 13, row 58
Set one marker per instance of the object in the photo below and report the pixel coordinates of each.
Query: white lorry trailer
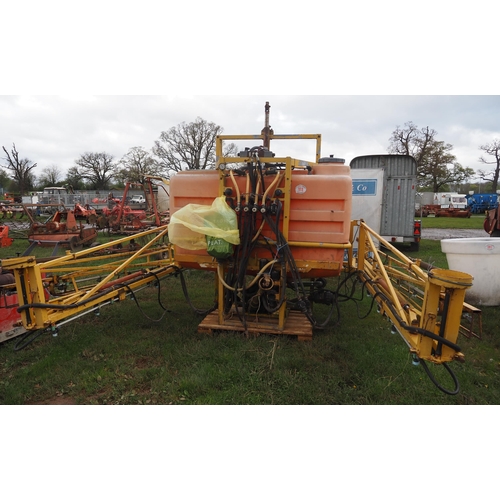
column 384, row 195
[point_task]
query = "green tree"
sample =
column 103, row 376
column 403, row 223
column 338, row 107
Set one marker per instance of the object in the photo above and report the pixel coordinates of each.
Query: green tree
column 437, row 166
column 491, row 149
column 5, row 181
column 74, row 179
column 98, row 169
column 21, row 168
column 441, row 169
column 188, row 146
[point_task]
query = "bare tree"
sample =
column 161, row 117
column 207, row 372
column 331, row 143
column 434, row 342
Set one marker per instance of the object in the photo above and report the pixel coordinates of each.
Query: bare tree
column 21, row 169
column 138, row 163
column 492, row 149
column 50, row 176
column 230, row 149
column 413, row 142
column 188, row 146
column 98, row 169
column 437, row 167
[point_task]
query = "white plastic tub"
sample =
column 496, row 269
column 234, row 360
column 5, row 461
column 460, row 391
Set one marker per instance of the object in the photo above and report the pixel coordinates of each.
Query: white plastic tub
column 479, row 257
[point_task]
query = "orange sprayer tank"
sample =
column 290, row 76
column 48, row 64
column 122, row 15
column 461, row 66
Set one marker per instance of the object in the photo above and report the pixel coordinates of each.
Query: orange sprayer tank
column 319, row 213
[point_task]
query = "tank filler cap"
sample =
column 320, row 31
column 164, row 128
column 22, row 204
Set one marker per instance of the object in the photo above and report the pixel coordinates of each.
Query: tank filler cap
column 331, row 159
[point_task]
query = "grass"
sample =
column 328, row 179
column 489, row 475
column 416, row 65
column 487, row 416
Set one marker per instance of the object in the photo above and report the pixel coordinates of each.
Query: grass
column 473, row 222
column 430, row 252
column 140, row 354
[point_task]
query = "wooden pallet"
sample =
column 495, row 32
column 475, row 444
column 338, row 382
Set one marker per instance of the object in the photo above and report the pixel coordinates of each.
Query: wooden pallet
column 296, row 324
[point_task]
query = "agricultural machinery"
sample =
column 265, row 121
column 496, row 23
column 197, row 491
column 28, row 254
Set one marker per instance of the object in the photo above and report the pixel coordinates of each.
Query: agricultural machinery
column 5, row 240
column 124, row 219
column 277, row 235
column 479, row 203
column 62, row 229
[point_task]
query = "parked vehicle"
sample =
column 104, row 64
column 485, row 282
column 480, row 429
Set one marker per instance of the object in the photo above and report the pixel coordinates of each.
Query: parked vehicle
column 481, row 202
column 138, row 198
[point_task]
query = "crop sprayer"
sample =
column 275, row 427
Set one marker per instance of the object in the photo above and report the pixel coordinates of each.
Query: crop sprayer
column 275, row 232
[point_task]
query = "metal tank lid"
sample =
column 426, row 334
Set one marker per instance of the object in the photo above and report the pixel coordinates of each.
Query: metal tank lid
column 331, row 159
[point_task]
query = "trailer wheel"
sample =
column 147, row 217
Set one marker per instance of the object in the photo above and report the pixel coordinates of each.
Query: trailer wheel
column 414, row 246
column 75, row 244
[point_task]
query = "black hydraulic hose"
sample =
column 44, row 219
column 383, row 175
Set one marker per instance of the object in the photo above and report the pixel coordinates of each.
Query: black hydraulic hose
column 286, row 253
column 350, row 295
column 253, row 179
column 350, row 276
column 25, row 297
column 241, row 263
column 413, row 329
column 186, row 295
column 159, row 296
column 437, row 384
column 27, row 339
column 30, row 336
column 298, row 286
column 426, row 333
column 140, row 308
column 334, row 307
column 229, row 297
column 444, row 317
column 261, row 175
column 279, row 255
column 40, row 305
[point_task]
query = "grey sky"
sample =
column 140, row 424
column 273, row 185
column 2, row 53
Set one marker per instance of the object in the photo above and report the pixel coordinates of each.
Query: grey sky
column 56, row 130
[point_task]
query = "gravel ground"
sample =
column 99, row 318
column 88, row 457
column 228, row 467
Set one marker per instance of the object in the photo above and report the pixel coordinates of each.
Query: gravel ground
column 444, row 234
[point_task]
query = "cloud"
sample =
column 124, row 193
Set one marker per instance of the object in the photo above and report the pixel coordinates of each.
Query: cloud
column 56, row 130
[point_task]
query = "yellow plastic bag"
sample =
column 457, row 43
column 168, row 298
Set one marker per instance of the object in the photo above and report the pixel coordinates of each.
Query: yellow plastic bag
column 190, row 226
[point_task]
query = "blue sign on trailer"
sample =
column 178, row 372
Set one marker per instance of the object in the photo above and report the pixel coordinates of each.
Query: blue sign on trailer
column 364, row 187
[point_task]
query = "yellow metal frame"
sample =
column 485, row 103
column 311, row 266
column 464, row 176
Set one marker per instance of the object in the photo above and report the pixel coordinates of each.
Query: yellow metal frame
column 425, row 307
column 89, row 278
column 261, row 137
